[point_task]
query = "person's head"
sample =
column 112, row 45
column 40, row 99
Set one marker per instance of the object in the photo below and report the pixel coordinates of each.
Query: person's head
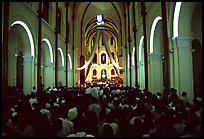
column 107, row 131
column 72, row 113
column 137, row 121
column 184, row 94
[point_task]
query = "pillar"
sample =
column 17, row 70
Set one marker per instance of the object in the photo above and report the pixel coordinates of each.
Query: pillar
column 48, row 75
column 5, row 98
column 5, row 49
column 61, row 76
column 183, row 66
column 66, row 42
column 135, row 44
column 125, row 55
column 39, row 83
column 129, row 46
column 143, row 12
column 166, row 75
column 56, row 46
column 156, row 83
column 27, row 74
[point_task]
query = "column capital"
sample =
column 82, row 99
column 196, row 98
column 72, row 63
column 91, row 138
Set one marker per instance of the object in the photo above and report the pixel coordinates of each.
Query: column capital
column 183, row 42
column 48, row 64
column 28, row 58
column 155, row 56
column 60, row 68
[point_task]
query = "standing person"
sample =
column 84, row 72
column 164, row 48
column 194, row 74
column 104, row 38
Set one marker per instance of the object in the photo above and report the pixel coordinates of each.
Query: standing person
column 184, row 97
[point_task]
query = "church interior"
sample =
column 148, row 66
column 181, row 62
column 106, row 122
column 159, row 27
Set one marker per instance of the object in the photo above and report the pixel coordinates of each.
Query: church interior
column 101, row 69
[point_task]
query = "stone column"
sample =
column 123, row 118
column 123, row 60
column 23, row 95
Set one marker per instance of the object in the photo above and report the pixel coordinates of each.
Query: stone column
column 129, row 45
column 183, row 66
column 166, row 75
column 156, row 76
column 125, row 55
column 70, row 75
column 39, row 83
column 66, row 42
column 171, row 63
column 4, row 93
column 61, row 75
column 135, row 44
column 143, row 12
column 56, row 46
column 5, row 49
column 28, row 65
column 141, row 74
column 48, row 75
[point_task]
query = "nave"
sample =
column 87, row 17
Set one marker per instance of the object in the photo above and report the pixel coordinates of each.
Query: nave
column 58, row 54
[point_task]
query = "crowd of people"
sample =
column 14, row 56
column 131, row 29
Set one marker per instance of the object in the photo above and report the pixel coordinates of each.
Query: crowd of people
column 102, row 112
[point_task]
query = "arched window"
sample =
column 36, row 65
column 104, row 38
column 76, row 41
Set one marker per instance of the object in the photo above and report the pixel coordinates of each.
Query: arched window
column 111, row 41
column 95, row 59
column 94, row 72
column 113, row 55
column 112, row 72
column 45, row 11
column 103, row 58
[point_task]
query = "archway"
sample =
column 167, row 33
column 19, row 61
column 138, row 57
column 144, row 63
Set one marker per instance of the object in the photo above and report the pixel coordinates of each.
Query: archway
column 47, row 64
column 21, row 40
column 156, row 54
column 183, row 33
column 60, row 68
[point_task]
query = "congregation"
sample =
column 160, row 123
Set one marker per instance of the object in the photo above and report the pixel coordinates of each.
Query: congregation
column 102, row 112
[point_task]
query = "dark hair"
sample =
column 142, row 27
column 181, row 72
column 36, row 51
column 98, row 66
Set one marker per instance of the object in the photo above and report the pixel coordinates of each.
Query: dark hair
column 107, row 131
column 184, row 94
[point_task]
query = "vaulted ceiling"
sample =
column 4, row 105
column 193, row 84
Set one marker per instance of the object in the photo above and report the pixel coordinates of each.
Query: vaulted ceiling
column 86, row 13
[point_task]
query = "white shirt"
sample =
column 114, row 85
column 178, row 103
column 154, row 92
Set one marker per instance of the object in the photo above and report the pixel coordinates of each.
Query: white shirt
column 68, row 128
column 95, row 107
